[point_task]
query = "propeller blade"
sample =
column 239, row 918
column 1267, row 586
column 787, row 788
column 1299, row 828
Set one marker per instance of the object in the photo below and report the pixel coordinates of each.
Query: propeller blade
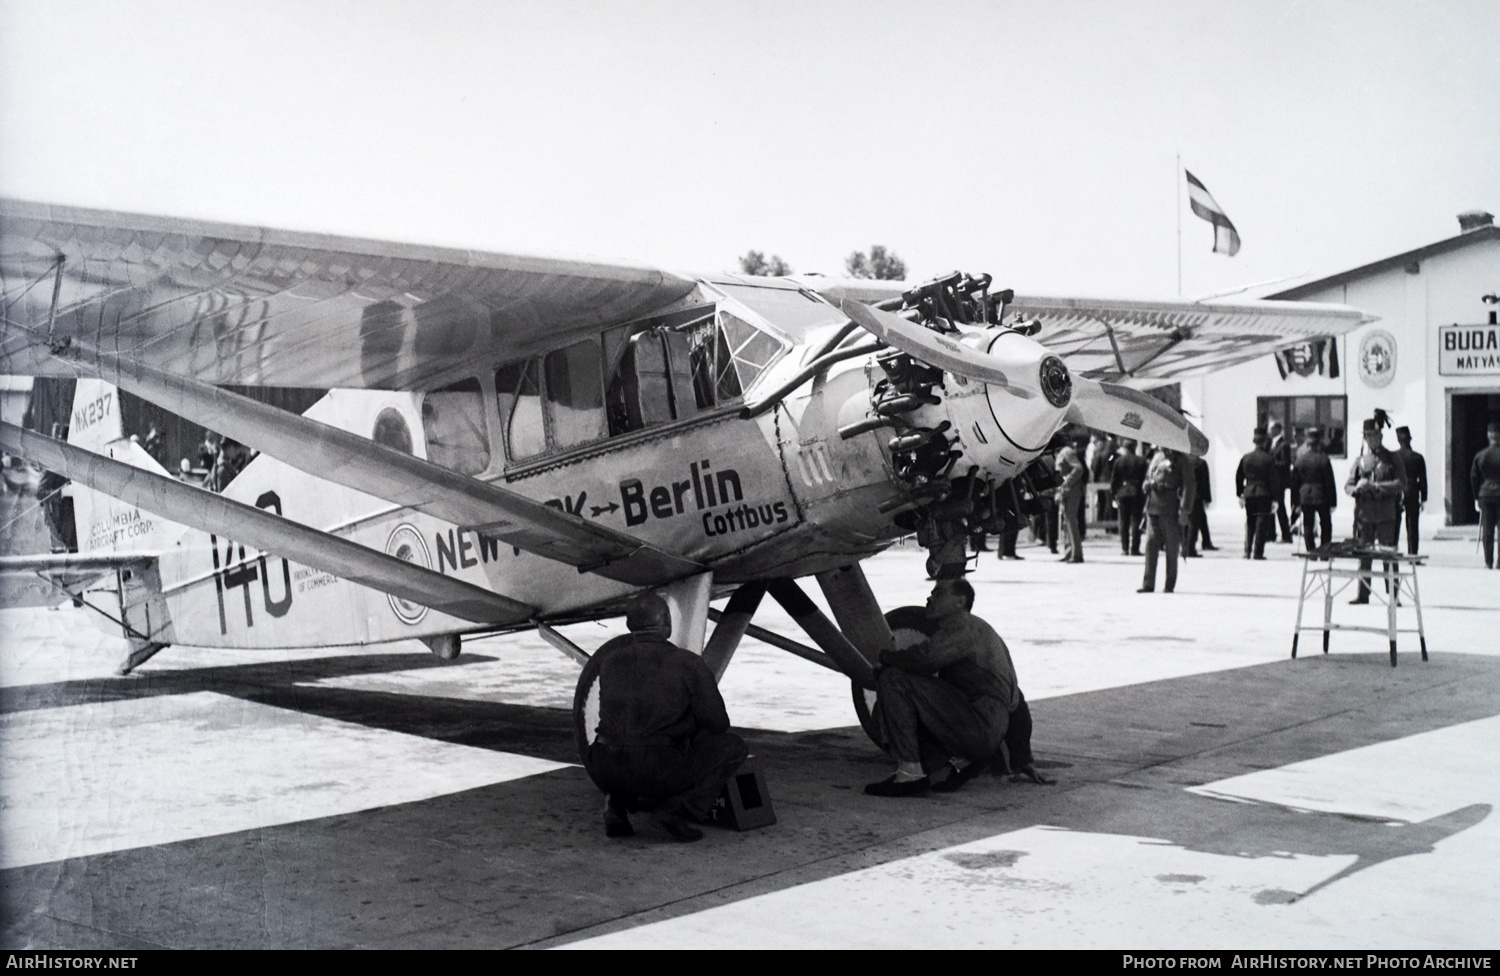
column 931, row 347
column 1131, row 413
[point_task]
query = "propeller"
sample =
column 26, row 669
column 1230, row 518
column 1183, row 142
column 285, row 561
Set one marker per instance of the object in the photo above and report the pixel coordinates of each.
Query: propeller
column 1130, row 413
column 932, row 347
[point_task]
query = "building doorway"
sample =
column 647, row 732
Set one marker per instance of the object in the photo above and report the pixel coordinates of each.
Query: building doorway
column 1468, row 413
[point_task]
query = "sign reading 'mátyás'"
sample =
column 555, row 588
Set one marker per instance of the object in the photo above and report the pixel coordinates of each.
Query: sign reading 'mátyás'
column 1469, row 350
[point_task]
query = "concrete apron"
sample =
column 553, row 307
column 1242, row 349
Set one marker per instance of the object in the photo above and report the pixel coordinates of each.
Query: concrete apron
column 524, row 862
column 329, row 799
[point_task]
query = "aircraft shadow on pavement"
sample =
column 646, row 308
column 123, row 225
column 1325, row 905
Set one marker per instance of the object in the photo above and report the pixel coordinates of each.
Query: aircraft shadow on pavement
column 526, row 861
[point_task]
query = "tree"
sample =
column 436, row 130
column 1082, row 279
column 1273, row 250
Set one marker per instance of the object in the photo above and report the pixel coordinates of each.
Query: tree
column 881, row 264
column 755, row 263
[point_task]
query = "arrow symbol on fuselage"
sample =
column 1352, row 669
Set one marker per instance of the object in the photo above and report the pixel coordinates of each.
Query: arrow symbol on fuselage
column 598, row 510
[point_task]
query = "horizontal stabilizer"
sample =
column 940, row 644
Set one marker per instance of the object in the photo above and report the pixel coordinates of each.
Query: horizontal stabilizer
column 47, row 579
column 356, row 462
column 209, row 512
column 1130, row 413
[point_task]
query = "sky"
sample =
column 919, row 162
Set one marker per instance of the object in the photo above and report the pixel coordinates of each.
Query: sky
column 1036, row 142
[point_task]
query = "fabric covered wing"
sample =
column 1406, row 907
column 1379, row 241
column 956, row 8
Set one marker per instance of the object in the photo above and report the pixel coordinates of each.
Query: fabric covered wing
column 256, row 307
column 1134, row 341
column 1141, row 343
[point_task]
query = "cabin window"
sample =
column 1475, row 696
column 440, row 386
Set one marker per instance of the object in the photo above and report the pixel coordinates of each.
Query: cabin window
column 575, row 394
column 453, row 421
column 392, row 431
column 519, row 393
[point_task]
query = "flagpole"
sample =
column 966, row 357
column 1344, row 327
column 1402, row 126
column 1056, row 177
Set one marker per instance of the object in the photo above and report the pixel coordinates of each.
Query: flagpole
column 1177, row 193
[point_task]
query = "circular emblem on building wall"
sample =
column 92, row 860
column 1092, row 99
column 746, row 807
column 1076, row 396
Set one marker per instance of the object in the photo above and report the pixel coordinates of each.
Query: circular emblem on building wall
column 1377, row 358
column 407, row 545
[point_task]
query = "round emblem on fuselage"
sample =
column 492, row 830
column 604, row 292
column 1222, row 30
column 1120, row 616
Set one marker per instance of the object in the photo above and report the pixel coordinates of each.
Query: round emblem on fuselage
column 407, row 545
column 1056, row 383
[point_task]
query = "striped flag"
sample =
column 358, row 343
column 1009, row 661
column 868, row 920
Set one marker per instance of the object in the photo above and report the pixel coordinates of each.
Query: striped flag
column 1226, row 238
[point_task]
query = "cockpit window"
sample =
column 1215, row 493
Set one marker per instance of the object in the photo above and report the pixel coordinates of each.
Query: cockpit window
column 750, row 350
column 453, row 422
column 787, row 308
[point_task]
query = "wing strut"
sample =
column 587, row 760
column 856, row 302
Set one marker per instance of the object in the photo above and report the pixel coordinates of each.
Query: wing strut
column 209, row 512
column 355, row 462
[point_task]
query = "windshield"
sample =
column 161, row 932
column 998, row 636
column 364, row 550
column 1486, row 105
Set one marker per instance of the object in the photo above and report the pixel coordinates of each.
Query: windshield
column 785, row 306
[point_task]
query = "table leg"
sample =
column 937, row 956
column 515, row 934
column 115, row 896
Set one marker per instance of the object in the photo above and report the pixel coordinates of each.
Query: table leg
column 1327, row 606
column 1390, row 610
column 1416, row 602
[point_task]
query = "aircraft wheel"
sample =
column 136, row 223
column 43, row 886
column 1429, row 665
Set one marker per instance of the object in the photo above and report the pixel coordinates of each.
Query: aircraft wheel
column 909, row 625
column 586, row 708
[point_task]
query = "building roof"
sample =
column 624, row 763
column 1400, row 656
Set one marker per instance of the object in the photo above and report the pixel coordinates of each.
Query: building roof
column 1466, row 239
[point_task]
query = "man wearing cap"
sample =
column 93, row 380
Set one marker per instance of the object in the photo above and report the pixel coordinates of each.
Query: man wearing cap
column 1377, row 480
column 1257, row 482
column 1416, row 487
column 1484, row 479
column 663, row 739
column 1281, row 450
column 1315, row 489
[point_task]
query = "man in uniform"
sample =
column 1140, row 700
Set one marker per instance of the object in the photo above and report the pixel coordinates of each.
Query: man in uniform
column 1170, row 490
column 1257, row 482
column 1377, row 480
column 1484, row 480
column 1315, row 489
column 950, row 701
column 1281, row 450
column 1416, row 487
column 663, row 737
column 1126, row 485
column 1070, row 500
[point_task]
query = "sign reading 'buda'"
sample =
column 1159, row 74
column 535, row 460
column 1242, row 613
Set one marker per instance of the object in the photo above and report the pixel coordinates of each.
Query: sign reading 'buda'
column 1469, row 350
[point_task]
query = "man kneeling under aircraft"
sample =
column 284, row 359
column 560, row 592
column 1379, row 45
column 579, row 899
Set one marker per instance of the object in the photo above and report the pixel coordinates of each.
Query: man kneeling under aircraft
column 951, row 702
column 663, row 737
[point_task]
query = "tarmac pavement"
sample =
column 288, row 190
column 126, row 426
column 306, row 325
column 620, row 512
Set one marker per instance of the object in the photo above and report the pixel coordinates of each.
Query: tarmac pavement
column 1211, row 792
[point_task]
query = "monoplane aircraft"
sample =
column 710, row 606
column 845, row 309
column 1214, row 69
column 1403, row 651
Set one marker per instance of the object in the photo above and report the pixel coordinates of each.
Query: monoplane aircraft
column 508, row 442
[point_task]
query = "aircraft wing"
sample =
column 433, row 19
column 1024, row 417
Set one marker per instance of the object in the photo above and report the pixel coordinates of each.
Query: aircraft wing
column 46, row 579
column 1142, row 343
column 1131, row 342
column 240, row 305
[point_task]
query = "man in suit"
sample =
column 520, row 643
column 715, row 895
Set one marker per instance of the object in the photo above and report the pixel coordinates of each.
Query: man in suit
column 1257, row 482
column 1315, row 489
column 1126, row 487
column 1198, row 517
column 1281, row 450
column 1416, row 488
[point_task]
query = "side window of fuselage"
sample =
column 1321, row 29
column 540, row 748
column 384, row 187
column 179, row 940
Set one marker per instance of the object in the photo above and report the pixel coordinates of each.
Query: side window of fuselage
column 453, row 422
column 518, row 390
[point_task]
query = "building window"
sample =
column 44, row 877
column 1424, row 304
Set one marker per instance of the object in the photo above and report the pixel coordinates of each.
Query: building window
column 1297, row 413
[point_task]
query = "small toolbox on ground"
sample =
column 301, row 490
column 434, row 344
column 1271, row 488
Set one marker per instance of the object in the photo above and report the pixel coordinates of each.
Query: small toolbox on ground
column 744, row 803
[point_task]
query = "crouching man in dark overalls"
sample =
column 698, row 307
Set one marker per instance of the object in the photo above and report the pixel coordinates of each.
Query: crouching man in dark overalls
column 950, row 702
column 663, row 740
